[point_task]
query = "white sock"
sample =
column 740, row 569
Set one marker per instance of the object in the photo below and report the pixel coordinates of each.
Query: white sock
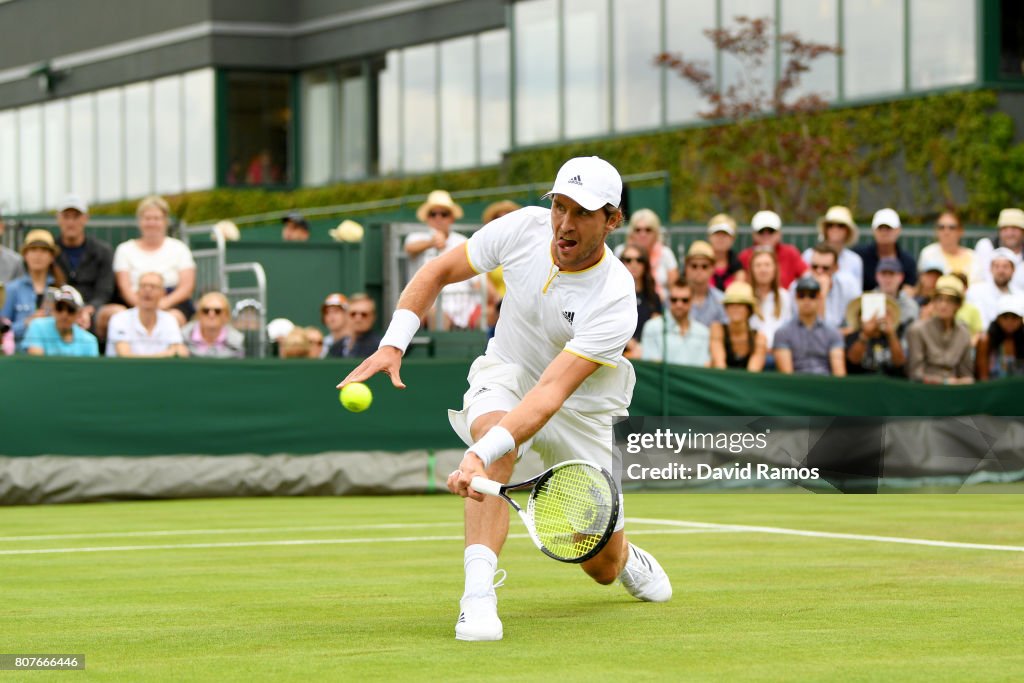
column 480, row 563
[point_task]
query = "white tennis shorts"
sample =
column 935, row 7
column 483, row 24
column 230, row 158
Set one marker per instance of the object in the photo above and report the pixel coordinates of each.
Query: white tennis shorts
column 568, row 435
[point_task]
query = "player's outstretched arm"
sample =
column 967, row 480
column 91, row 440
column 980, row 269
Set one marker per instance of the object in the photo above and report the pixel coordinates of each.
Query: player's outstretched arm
column 416, row 300
column 560, row 380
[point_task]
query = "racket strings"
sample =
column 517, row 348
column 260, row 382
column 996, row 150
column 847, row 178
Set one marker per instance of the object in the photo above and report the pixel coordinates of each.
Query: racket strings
column 572, row 510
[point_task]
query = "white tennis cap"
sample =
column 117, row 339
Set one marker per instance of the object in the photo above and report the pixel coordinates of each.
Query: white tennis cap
column 1011, row 303
column 589, row 181
column 885, row 217
column 73, row 201
column 766, row 219
column 1002, row 253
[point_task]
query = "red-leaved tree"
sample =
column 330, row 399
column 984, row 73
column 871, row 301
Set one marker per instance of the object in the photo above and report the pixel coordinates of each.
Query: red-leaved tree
column 782, row 170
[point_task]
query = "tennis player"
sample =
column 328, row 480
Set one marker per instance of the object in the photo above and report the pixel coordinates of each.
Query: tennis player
column 553, row 375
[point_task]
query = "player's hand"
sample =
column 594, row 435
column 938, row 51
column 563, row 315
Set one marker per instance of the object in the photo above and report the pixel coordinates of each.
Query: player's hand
column 387, row 359
column 458, row 481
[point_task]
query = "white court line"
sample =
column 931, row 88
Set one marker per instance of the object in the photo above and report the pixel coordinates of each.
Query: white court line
column 239, row 530
column 826, row 534
column 323, row 541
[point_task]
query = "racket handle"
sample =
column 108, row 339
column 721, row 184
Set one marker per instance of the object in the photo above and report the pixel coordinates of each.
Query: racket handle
column 485, row 486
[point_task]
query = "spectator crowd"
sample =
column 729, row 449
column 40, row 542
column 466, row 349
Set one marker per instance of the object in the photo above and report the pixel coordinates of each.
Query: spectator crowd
column 951, row 314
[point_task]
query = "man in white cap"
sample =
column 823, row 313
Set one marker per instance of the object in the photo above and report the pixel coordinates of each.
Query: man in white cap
column 1011, row 237
column 553, row 376
column 985, row 293
column 58, row 334
column 767, row 227
column 885, row 229
column 87, row 262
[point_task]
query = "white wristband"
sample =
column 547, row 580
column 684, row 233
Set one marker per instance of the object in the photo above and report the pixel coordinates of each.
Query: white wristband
column 495, row 443
column 403, row 327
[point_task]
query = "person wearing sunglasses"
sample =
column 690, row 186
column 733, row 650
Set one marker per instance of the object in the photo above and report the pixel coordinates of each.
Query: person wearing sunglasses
column 706, row 307
column 362, row 339
column 958, row 259
column 836, row 292
column 677, row 338
column 837, row 228
column 26, row 296
column 648, row 303
column 210, row 334
column 60, row 334
column 806, row 344
column 939, row 347
column 461, row 302
column 645, row 231
column 767, row 229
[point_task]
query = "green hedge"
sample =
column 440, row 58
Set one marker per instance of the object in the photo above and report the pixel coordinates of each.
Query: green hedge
column 935, row 141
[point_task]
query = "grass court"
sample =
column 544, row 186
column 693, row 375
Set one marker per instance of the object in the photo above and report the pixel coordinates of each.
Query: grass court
column 307, row 589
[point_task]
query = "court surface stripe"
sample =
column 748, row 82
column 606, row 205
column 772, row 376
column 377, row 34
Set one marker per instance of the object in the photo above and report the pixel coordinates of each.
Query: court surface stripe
column 826, row 534
column 238, row 530
column 295, row 542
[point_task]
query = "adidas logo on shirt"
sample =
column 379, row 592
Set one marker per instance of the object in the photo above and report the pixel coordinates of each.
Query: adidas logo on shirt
column 568, row 315
column 576, row 180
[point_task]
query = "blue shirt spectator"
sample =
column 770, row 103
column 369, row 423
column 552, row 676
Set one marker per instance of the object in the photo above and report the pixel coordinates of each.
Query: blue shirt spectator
column 806, row 344
column 44, row 339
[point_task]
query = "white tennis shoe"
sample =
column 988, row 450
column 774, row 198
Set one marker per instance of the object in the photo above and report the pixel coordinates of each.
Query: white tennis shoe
column 478, row 616
column 643, row 577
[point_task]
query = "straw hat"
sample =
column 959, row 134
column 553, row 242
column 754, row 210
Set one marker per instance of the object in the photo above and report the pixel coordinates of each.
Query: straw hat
column 722, row 222
column 741, row 293
column 700, row 249
column 438, row 199
column 347, row 231
column 950, row 285
column 495, row 209
column 841, row 215
column 39, row 238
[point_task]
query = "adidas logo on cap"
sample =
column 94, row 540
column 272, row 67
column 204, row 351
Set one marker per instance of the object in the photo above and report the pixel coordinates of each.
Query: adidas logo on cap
column 576, row 180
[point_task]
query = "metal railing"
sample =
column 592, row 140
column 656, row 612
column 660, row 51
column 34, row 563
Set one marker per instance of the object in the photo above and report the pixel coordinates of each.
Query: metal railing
column 213, row 274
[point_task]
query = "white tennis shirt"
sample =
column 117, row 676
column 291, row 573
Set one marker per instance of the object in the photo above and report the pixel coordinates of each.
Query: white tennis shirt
column 590, row 313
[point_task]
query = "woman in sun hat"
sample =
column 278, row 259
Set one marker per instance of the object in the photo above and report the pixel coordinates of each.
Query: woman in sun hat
column 26, row 295
column 736, row 344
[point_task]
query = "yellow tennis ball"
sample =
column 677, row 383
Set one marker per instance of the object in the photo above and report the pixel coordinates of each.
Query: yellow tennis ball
column 356, row 397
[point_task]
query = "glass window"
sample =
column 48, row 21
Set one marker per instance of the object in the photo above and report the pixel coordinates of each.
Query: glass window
column 199, row 126
column 167, row 125
column 586, row 68
column 493, row 89
column 8, row 162
column 259, row 128
column 760, row 81
column 815, row 21
column 872, row 47
column 419, row 108
column 637, row 79
column 537, row 67
column 82, row 162
column 943, row 43
column 686, row 22
column 354, row 129
column 138, row 134
column 318, row 94
column 388, row 118
column 30, row 157
column 1011, row 43
column 110, row 145
column 55, row 123
column 458, row 103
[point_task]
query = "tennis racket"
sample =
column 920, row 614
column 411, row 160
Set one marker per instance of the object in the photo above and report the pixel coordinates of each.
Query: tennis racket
column 571, row 512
